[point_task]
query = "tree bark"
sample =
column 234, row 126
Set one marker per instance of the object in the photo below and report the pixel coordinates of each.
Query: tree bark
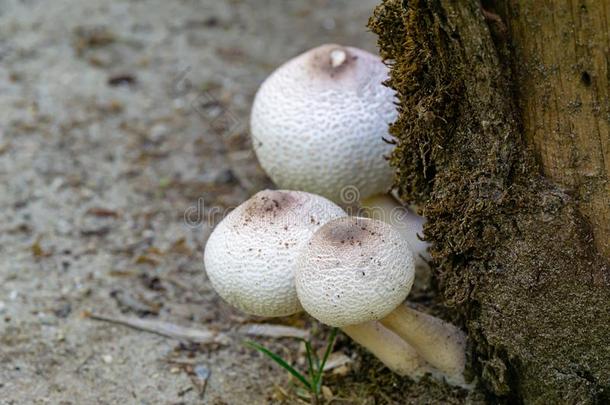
column 562, row 74
column 503, row 141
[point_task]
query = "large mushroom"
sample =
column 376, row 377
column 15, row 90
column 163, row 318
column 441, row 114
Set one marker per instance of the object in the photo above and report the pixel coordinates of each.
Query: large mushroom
column 318, row 124
column 356, row 270
column 250, row 259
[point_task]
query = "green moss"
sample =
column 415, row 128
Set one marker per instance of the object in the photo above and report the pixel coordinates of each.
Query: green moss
column 512, row 255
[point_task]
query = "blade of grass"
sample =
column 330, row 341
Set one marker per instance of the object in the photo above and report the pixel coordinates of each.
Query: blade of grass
column 329, row 348
column 316, row 359
column 310, row 362
column 275, row 357
column 331, row 342
column 314, row 364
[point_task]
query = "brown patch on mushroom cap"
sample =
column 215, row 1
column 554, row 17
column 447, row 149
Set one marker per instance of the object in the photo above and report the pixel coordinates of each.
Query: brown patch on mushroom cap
column 332, row 60
column 350, row 231
column 272, row 203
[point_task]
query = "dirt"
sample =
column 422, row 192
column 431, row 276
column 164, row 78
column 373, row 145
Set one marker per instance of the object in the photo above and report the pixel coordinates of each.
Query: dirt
column 123, row 139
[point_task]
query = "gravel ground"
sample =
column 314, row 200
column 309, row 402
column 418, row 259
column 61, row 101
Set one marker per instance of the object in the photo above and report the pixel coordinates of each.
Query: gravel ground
column 116, row 119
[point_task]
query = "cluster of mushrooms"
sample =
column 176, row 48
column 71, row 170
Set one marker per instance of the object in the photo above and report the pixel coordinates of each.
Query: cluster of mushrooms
column 317, row 126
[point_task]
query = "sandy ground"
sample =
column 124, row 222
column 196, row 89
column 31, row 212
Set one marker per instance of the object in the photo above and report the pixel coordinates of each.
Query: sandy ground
column 116, row 119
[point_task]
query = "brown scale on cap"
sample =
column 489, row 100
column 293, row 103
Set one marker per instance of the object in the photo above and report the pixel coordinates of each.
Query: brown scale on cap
column 332, row 60
column 270, row 203
column 354, row 231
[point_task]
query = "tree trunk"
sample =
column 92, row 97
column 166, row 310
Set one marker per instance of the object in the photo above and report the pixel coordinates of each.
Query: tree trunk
column 503, row 140
column 561, row 60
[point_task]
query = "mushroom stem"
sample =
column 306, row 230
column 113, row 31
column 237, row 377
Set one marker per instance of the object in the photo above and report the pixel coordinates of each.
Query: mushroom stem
column 389, row 348
column 439, row 343
column 384, row 207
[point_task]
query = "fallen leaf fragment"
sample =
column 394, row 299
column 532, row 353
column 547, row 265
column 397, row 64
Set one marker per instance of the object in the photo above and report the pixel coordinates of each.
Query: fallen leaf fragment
column 327, row 393
column 102, row 212
column 335, row 360
column 273, row 331
column 167, row 329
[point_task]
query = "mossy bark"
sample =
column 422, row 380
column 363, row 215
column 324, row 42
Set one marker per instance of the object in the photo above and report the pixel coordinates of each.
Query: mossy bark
column 519, row 226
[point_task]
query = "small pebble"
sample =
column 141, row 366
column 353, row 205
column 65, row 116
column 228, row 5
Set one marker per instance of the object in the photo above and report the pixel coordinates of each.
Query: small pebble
column 327, row 393
column 157, row 133
column 46, row 319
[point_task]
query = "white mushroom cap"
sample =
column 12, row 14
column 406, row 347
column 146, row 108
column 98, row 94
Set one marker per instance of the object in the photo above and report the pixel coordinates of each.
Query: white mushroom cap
column 385, row 208
column 250, row 255
column 317, row 122
column 354, row 270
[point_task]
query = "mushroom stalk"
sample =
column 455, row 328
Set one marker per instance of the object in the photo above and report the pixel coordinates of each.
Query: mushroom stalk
column 389, row 348
column 439, row 343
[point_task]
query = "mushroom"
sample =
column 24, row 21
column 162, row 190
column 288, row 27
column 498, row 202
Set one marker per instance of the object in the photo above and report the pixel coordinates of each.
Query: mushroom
column 318, row 124
column 250, row 258
column 356, row 270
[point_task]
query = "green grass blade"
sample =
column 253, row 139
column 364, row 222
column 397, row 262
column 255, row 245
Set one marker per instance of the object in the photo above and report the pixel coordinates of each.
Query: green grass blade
column 275, row 357
column 329, row 348
column 310, row 362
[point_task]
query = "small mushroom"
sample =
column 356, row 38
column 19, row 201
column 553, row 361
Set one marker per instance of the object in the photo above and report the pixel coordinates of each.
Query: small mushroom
column 318, row 124
column 356, row 270
column 250, row 258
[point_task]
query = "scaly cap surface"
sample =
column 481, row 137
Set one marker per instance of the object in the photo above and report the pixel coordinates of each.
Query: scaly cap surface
column 354, row 270
column 250, row 255
column 317, row 123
